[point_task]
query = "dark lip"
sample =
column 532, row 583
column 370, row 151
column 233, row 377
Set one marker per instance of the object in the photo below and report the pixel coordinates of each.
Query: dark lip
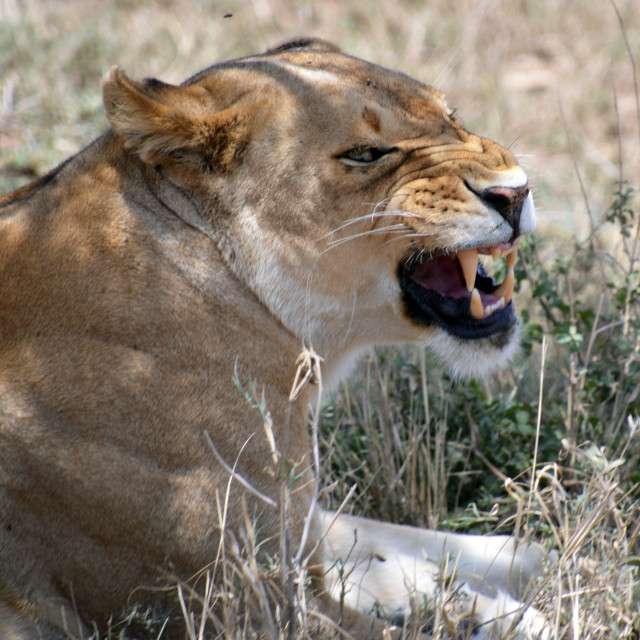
column 430, row 308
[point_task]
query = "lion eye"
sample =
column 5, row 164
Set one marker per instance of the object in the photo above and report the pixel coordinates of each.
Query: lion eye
column 363, row 156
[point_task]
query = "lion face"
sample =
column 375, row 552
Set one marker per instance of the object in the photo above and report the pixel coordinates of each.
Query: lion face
column 349, row 198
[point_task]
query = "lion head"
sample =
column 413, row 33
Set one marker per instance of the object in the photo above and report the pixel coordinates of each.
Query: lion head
column 350, row 198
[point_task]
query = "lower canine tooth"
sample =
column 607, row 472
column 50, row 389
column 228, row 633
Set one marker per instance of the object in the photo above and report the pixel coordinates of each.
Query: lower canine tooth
column 476, row 305
column 505, row 290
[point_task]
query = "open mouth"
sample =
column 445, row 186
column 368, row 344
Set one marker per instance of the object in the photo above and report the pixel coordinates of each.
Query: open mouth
column 455, row 293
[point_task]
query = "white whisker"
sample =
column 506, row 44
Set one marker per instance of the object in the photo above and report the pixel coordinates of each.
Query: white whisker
column 377, row 205
column 373, row 215
column 307, row 311
column 395, row 239
column 416, row 235
column 395, row 228
column 346, row 333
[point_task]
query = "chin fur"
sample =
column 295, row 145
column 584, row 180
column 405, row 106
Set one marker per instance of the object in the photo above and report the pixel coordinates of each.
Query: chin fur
column 478, row 359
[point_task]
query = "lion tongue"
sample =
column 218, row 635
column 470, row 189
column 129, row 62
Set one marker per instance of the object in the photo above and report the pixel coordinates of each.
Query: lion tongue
column 441, row 274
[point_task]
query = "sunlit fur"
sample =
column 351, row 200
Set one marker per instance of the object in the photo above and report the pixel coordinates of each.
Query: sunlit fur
column 215, row 232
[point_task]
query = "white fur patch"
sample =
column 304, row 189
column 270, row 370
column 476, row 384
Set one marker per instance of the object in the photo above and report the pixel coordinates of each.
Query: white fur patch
column 528, row 216
column 499, row 613
column 472, row 358
column 378, row 567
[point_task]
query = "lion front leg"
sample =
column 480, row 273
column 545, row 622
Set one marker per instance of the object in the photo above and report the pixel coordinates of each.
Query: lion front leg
column 388, row 569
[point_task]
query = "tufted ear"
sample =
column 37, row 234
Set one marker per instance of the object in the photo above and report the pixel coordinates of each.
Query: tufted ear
column 154, row 120
column 306, row 44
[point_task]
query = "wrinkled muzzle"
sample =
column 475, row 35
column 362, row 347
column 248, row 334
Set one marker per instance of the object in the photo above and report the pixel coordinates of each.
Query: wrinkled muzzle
column 452, row 290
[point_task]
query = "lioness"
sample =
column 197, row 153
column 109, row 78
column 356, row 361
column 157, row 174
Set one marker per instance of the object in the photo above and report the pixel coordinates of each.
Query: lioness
column 293, row 200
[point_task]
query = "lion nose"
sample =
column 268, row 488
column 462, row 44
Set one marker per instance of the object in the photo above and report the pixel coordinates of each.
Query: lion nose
column 507, row 201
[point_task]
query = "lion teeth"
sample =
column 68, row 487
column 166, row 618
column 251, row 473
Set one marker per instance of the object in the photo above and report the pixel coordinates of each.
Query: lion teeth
column 499, row 304
column 478, row 311
column 512, row 256
column 505, row 290
column 476, row 305
column 510, row 253
column 468, row 259
column 469, row 262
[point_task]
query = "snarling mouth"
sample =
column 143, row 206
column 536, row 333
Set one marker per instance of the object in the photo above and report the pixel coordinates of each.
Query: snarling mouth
column 455, row 293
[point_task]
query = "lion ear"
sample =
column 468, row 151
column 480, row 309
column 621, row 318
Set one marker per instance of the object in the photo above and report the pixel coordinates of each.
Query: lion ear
column 163, row 134
column 305, row 44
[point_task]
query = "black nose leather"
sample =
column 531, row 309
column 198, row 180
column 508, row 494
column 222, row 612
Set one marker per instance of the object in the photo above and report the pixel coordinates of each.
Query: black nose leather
column 507, row 201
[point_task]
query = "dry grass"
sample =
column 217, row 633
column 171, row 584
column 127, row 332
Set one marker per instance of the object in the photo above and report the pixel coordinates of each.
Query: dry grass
column 555, row 81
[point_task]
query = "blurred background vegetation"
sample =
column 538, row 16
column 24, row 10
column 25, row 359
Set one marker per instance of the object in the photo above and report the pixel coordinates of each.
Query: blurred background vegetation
column 554, row 80
column 549, row 78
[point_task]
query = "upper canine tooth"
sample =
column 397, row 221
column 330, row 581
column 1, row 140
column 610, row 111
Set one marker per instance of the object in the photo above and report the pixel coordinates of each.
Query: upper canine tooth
column 512, row 256
column 476, row 305
column 505, row 290
column 495, row 253
column 469, row 262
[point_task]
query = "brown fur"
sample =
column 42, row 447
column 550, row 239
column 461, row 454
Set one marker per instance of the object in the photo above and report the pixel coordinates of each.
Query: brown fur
column 132, row 285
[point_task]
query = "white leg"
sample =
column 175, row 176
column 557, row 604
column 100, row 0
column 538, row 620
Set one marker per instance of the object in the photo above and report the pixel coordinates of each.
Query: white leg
column 377, row 567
